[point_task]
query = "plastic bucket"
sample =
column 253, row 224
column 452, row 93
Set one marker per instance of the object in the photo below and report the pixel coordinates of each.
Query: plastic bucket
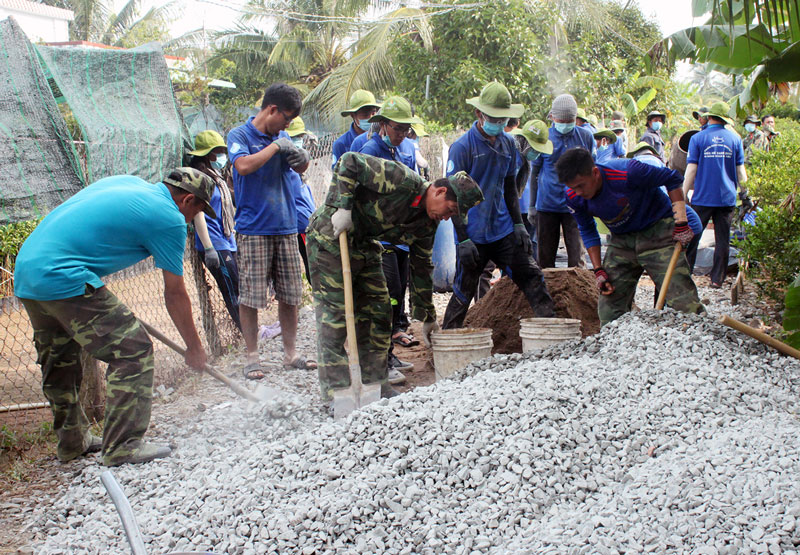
column 454, row 349
column 538, row 333
column 677, row 160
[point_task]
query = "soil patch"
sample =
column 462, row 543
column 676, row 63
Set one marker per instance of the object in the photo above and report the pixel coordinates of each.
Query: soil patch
column 574, row 293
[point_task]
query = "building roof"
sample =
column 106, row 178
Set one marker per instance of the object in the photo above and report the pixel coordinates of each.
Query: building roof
column 26, row 6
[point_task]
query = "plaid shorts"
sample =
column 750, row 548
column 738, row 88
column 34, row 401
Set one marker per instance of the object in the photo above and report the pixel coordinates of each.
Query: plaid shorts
column 269, row 258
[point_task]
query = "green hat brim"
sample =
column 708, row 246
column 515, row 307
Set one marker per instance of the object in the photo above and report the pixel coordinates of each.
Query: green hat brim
column 205, row 151
column 639, row 148
column 544, row 148
column 726, row 119
column 607, row 133
column 379, row 117
column 346, row 113
column 513, row 111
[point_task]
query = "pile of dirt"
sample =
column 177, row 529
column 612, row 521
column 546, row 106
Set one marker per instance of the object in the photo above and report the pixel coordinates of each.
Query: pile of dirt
column 574, row 293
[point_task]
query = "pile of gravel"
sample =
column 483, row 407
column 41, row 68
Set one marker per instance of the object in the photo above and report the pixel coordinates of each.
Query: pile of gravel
column 663, row 432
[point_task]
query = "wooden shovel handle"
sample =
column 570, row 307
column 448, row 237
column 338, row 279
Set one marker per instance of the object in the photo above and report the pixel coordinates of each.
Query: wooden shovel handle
column 662, row 293
column 349, row 317
column 761, row 336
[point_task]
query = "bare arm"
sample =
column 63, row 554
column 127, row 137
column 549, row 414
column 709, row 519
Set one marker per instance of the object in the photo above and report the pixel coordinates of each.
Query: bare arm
column 201, row 228
column 741, row 173
column 688, row 179
column 246, row 165
column 179, row 307
column 594, row 256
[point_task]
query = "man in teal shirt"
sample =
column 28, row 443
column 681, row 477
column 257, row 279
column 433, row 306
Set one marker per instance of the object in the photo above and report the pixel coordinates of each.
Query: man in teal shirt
column 108, row 226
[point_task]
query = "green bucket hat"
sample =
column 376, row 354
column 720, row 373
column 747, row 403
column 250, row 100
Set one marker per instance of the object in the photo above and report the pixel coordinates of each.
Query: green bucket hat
column 396, row 109
column 641, row 146
column 195, row 182
column 720, row 110
column 537, row 134
column 655, row 113
column 206, row 141
column 468, row 193
column 358, row 100
column 701, row 111
column 297, row 127
column 607, row 133
column 581, row 114
column 495, row 102
column 419, row 130
column 591, row 118
column 616, row 125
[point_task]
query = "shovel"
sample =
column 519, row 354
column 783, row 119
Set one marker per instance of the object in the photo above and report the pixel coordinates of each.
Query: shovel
column 358, row 395
column 238, row 389
column 662, row 293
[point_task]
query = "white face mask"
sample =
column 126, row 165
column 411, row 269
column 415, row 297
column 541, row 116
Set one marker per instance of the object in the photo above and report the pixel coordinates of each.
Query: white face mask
column 219, row 162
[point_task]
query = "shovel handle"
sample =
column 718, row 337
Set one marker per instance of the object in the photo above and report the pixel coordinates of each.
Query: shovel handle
column 662, row 293
column 349, row 317
column 760, row 335
column 238, row 389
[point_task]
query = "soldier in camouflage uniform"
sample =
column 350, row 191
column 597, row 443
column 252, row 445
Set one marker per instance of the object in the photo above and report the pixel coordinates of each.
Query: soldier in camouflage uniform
column 108, row 226
column 378, row 200
column 755, row 138
column 645, row 224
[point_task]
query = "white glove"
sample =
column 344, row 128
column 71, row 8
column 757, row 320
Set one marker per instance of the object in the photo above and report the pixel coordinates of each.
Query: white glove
column 212, row 258
column 342, row 220
column 427, row 329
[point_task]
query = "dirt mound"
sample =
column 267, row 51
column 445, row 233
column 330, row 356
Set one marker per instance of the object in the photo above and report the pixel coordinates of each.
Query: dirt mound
column 574, row 293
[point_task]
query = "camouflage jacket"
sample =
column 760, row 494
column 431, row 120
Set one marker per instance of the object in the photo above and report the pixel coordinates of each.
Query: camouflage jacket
column 386, row 200
column 757, row 139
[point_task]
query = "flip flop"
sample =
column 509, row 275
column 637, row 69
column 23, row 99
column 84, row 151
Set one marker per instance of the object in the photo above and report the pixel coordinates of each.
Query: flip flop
column 405, row 340
column 249, row 369
column 300, row 363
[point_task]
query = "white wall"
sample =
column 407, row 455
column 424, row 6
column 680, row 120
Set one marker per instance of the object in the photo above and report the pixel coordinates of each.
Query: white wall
column 39, row 28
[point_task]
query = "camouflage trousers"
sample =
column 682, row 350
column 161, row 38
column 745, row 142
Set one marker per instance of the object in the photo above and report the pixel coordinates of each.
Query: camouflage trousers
column 648, row 250
column 99, row 323
column 372, row 311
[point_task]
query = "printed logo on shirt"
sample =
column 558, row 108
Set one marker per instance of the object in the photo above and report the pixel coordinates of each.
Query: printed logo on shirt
column 718, row 151
column 450, row 166
column 235, row 147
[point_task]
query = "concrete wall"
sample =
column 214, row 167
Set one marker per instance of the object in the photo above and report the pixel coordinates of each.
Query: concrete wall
column 39, row 28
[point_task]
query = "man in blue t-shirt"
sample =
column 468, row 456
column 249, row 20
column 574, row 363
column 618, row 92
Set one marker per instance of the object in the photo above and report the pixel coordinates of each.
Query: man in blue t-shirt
column 644, row 222
column 494, row 229
column 714, row 169
column 107, row 227
column 362, row 107
column 265, row 166
column 552, row 216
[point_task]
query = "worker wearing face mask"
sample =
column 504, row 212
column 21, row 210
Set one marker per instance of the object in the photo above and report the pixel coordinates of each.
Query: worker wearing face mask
column 213, row 237
column 494, row 230
column 754, row 139
column 652, row 135
column 552, row 215
column 362, row 106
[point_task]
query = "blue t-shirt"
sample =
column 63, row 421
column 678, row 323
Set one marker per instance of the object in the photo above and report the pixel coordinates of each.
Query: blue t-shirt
column 489, row 165
column 343, row 143
column 629, row 200
column 108, row 226
column 305, row 207
column 691, row 216
column 265, row 199
column 550, row 197
column 717, row 152
column 216, row 231
column 359, row 142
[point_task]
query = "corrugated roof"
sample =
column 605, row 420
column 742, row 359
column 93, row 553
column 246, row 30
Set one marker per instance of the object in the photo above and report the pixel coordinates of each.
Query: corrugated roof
column 35, row 8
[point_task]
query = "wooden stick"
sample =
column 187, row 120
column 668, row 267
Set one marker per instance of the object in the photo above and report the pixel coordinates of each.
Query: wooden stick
column 662, row 294
column 760, row 335
column 349, row 312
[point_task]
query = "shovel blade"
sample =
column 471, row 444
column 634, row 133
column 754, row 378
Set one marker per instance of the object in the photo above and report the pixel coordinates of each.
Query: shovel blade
column 348, row 399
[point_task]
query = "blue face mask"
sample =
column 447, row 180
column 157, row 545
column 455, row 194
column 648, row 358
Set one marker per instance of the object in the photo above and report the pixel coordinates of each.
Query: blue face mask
column 298, row 142
column 493, row 129
column 564, row 128
column 388, row 141
column 750, row 127
column 602, row 148
column 220, row 162
column 656, row 125
column 531, row 155
column 364, row 124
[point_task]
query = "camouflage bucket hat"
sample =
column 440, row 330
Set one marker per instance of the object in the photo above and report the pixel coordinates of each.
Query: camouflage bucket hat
column 396, row 109
column 606, row 133
column 617, row 125
column 360, row 99
column 537, row 134
column 206, row 141
column 195, row 182
column 640, row 148
column 655, row 114
column 495, row 102
column 297, row 127
column 468, row 193
column 752, row 118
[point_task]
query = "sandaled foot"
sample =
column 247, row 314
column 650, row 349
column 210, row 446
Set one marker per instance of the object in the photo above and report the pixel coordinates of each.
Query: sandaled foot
column 300, row 363
column 252, row 371
column 404, row 340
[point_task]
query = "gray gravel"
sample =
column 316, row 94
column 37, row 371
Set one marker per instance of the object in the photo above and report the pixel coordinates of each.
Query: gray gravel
column 665, row 432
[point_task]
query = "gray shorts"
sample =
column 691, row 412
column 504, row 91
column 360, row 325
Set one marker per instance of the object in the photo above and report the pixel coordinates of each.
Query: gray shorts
column 269, row 258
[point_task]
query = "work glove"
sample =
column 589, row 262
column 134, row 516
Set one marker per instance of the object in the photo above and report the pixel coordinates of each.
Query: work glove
column 532, row 216
column 426, row 173
column 212, row 258
column 682, row 234
column 603, row 281
column 342, row 220
column 427, row 329
column 295, row 156
column 522, row 238
column 468, row 254
column 747, row 203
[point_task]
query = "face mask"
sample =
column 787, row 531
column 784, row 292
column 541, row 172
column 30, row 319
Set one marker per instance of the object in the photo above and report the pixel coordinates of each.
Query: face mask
column 750, row 127
column 769, row 126
column 656, row 125
column 364, row 124
column 388, row 141
column 493, row 129
column 531, row 155
column 220, row 162
column 564, row 128
column 298, row 142
column 602, row 148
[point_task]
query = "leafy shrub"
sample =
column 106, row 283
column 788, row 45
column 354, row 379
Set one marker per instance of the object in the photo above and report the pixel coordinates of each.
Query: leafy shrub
column 791, row 316
column 11, row 238
column 772, row 175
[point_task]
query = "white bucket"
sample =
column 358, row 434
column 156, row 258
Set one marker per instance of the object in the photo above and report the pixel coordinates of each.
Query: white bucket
column 454, row 349
column 538, row 333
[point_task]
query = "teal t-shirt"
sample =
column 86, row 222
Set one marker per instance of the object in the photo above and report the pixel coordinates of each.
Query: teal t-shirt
column 108, row 226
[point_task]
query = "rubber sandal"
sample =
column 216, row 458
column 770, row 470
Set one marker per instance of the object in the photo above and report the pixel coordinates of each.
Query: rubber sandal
column 250, row 368
column 300, row 363
column 405, row 340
